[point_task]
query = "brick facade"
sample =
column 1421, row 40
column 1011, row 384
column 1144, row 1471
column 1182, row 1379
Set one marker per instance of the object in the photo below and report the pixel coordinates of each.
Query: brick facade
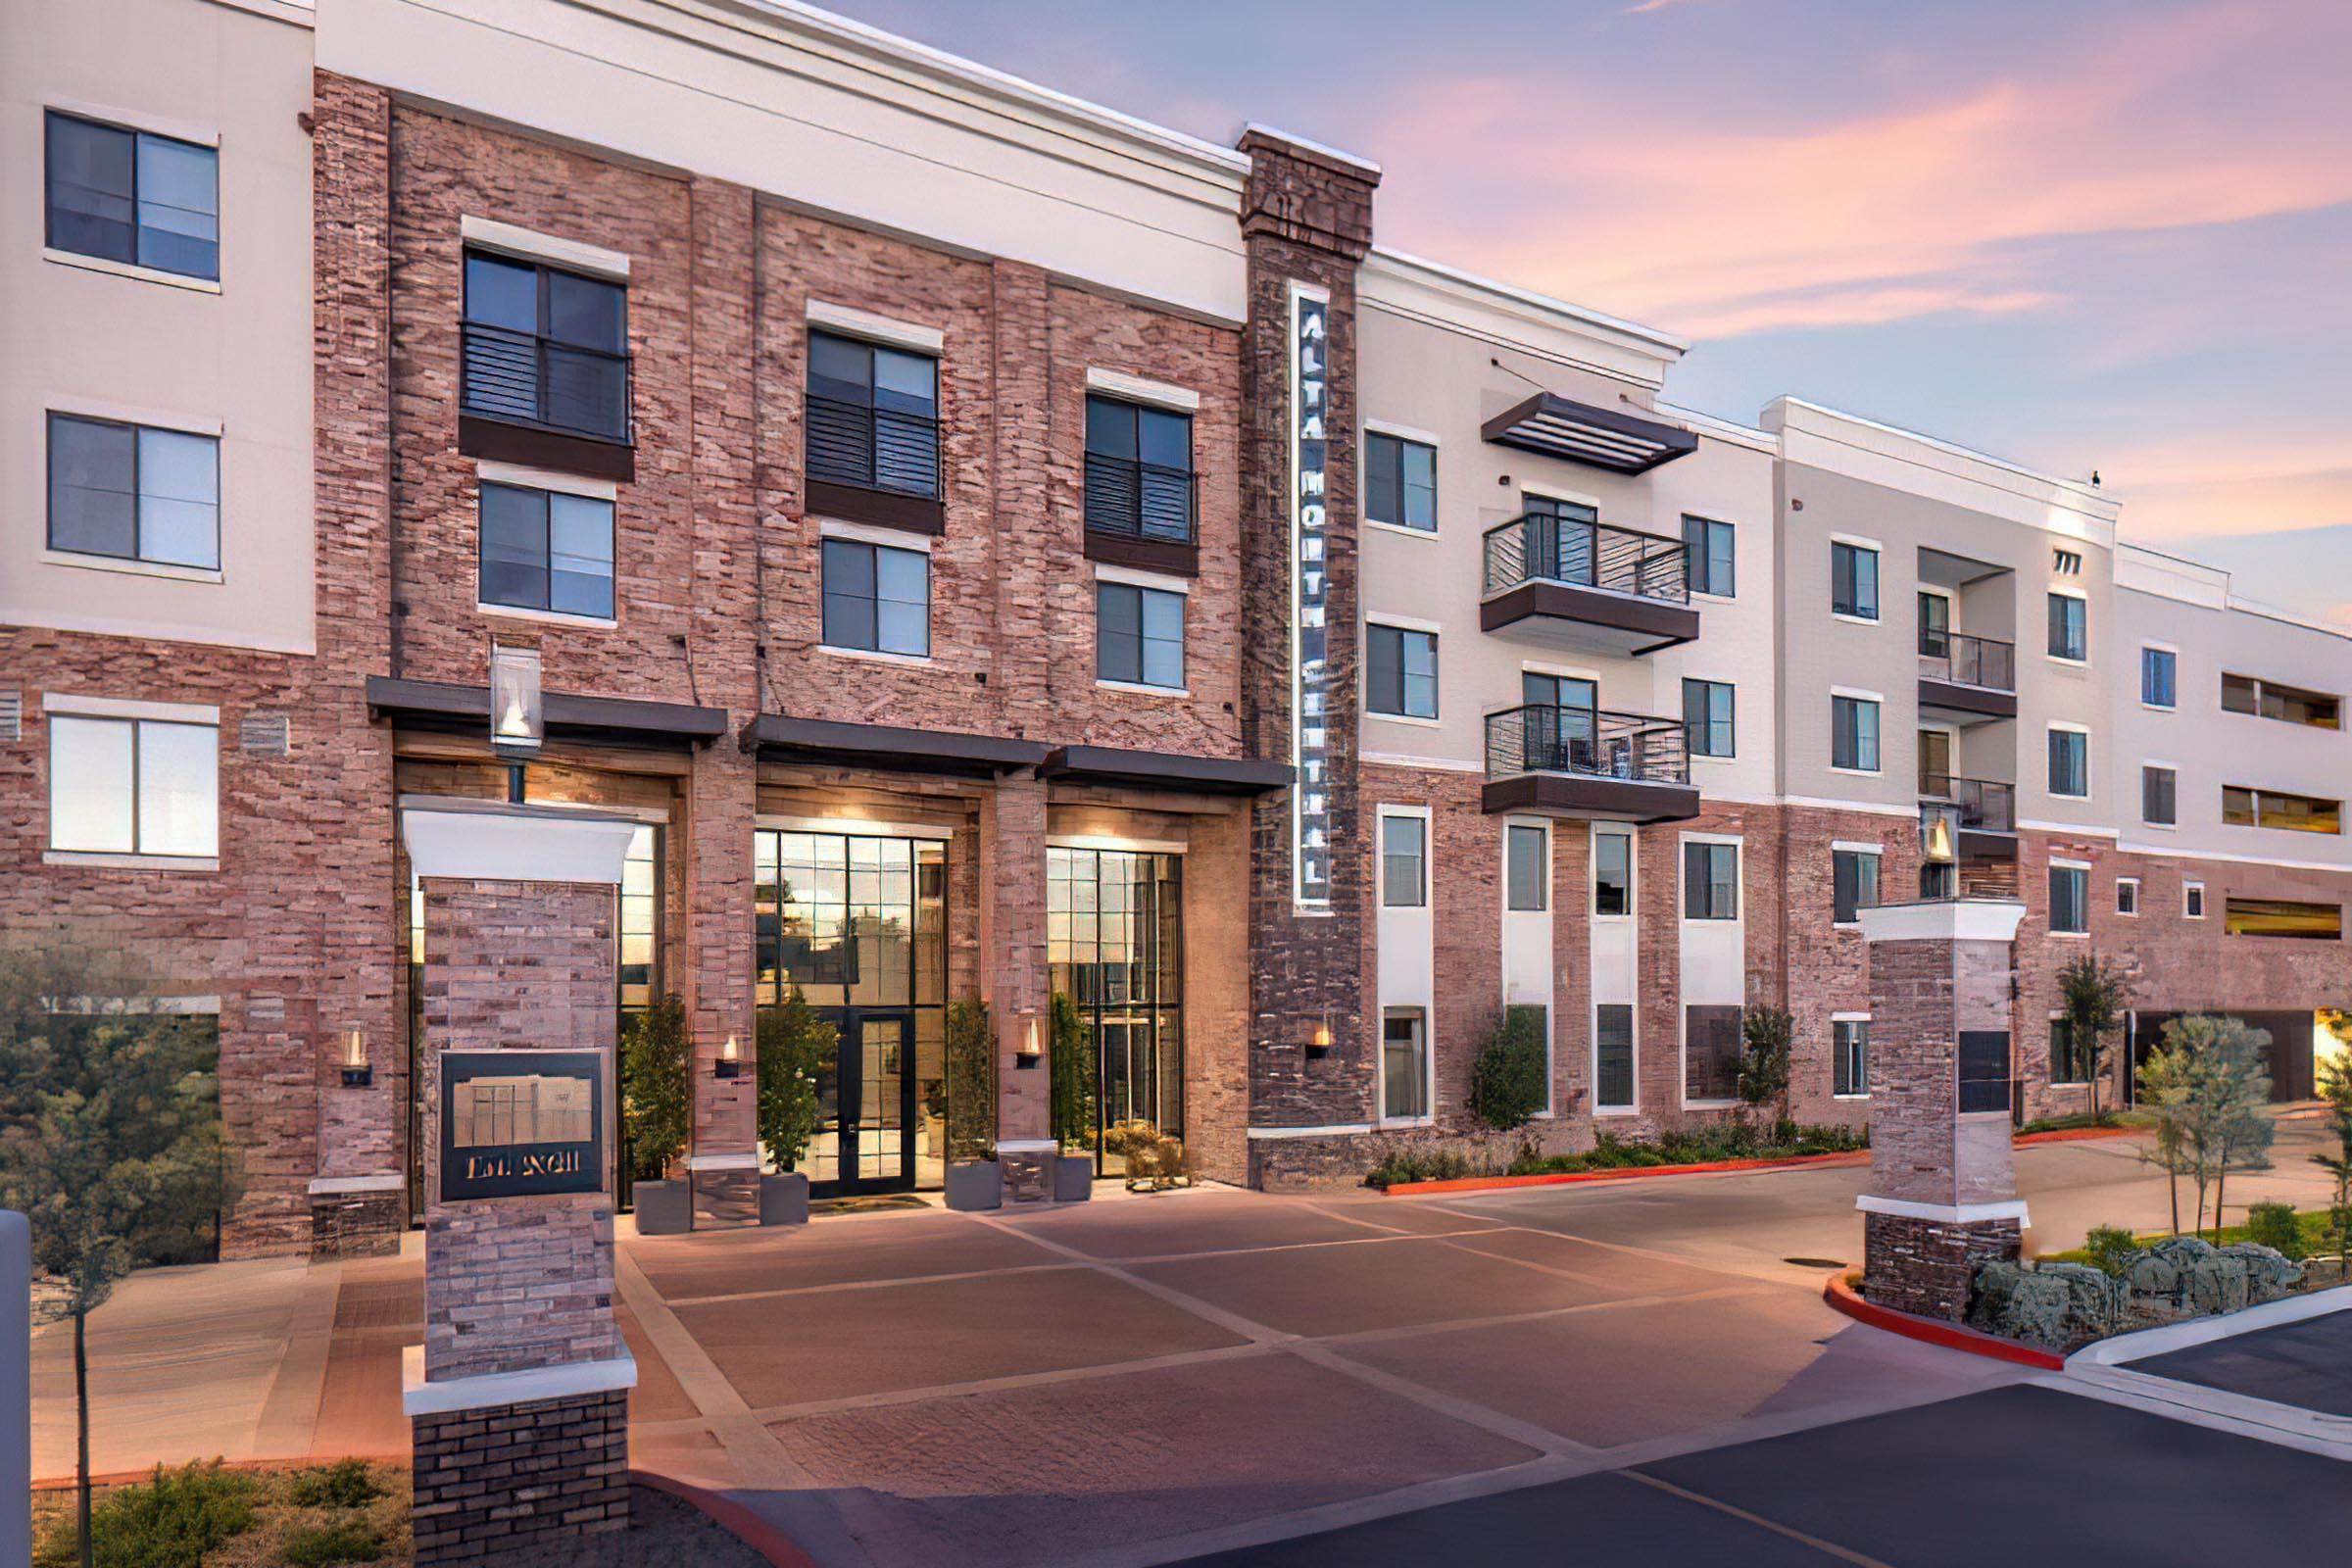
column 519, row 1476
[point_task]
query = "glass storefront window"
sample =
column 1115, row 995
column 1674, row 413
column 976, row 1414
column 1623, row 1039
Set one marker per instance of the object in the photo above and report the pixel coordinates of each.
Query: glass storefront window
column 1114, row 942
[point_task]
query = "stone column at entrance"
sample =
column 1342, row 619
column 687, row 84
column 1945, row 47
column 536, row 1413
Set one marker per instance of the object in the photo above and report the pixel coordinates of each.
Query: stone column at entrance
column 519, row 1397
column 1943, row 1193
column 1012, row 897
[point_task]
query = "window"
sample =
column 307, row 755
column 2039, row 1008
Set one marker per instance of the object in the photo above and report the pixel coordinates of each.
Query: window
column 1935, row 623
column 2291, row 705
column 134, row 492
column 2070, row 762
column 2127, row 895
column 1710, row 881
column 2192, row 901
column 1404, row 861
column 1401, row 482
column 1714, row 568
column 133, row 786
column 2070, row 899
column 1849, row 1057
column 1403, row 681
column 2066, row 563
column 1939, row 879
column 2070, row 1057
column 2069, row 638
column 1138, row 471
column 1404, row 1064
column 2298, row 813
column 1710, row 1053
column 1613, row 1057
column 1612, row 872
column 546, row 347
column 1855, row 884
column 1138, row 635
column 2159, row 670
column 546, row 550
column 2283, row 917
column 1524, row 883
column 1707, row 718
column 2159, row 797
column 1854, row 734
column 133, row 197
column 1983, row 1070
column 877, row 598
column 873, row 416
column 1853, row 580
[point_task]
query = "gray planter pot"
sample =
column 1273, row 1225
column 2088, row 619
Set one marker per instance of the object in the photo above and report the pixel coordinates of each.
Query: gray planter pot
column 1073, row 1178
column 664, row 1208
column 975, row 1184
column 784, row 1198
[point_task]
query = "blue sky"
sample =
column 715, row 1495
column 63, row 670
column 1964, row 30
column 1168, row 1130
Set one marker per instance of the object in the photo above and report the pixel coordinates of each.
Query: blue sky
column 2079, row 233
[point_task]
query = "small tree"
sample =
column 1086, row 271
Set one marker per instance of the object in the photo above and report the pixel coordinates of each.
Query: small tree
column 2224, row 1123
column 2092, row 996
column 971, row 1080
column 110, row 1143
column 2164, row 1078
column 794, row 1047
column 2336, row 1088
column 1767, row 1034
column 1072, row 1067
column 1506, row 1077
column 657, row 1097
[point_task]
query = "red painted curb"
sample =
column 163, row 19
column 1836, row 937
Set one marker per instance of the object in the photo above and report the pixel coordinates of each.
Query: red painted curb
column 1472, row 1184
column 1839, row 1290
column 2074, row 1135
column 756, row 1533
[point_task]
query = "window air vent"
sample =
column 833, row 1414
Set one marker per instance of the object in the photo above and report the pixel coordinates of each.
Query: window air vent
column 12, row 715
column 2067, row 563
column 263, row 734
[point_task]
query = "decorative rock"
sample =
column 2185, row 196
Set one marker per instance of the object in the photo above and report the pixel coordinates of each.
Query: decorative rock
column 2160, row 1272
column 2270, row 1273
column 2057, row 1306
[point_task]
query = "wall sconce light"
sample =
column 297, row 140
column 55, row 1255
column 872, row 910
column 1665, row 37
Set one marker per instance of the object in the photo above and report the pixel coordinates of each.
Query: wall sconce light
column 1032, row 1050
column 517, row 721
column 356, row 1073
column 730, row 1060
column 1320, row 1045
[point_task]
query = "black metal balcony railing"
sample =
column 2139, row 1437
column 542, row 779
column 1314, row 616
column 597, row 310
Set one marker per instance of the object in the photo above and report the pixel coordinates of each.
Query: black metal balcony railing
column 527, row 379
column 1964, row 661
column 872, row 449
column 1136, row 500
column 1987, row 805
column 1547, row 547
column 1541, row 738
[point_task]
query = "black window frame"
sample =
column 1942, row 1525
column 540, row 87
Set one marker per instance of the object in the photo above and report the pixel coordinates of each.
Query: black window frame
column 137, row 492
column 1847, row 580
column 547, row 510
column 1142, row 595
column 2066, row 747
column 1384, row 466
column 49, row 210
column 1614, row 1026
column 542, row 339
column 2151, row 662
column 1849, row 896
column 1382, row 638
column 1714, row 1078
column 1600, row 880
column 1850, row 1058
column 826, row 595
column 842, row 425
column 1848, row 744
column 1981, row 1071
column 2070, row 1062
column 2121, row 901
column 1700, row 887
column 1128, row 497
column 1419, row 857
column 1699, row 535
column 1515, row 836
column 1416, row 1020
column 2069, row 628
column 2076, row 904
column 1704, row 730
column 2152, row 779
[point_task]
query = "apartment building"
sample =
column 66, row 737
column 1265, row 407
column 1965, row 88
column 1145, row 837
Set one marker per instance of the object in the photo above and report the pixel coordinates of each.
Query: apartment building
column 992, row 547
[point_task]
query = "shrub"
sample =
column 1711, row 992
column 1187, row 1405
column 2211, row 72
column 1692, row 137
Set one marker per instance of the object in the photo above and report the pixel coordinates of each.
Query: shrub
column 971, row 1061
column 1507, row 1079
column 168, row 1522
column 2109, row 1249
column 1402, row 1165
column 1766, row 1034
column 344, row 1541
column 1072, row 1067
column 793, row 1046
column 658, row 1100
column 2273, row 1225
column 345, row 1484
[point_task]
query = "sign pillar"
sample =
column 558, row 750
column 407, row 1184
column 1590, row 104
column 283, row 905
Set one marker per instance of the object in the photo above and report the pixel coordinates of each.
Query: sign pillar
column 1943, row 1193
column 519, row 1397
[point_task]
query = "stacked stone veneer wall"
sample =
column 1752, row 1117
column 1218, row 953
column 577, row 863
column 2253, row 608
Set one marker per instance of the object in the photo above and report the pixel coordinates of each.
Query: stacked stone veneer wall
column 517, row 1477
column 1925, row 1266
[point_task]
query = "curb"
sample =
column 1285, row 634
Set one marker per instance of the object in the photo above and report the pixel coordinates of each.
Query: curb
column 2073, row 1135
column 779, row 1549
column 1475, row 1184
column 1839, row 1290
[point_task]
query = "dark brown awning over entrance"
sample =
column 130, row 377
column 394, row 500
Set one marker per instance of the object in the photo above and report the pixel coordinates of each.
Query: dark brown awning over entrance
column 890, row 745
column 1223, row 775
column 623, row 720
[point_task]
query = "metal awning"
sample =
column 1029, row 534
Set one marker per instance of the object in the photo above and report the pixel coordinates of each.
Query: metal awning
column 623, row 720
column 1600, row 438
column 892, row 746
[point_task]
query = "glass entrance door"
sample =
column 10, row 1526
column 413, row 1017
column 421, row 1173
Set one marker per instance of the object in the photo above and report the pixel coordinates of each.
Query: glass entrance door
column 865, row 1106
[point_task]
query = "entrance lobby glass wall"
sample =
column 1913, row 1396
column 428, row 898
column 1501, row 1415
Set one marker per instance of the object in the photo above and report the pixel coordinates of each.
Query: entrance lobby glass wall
column 857, row 924
column 1114, row 942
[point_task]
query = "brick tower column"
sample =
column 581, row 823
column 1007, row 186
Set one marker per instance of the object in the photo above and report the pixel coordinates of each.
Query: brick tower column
column 1943, row 1195
column 1012, row 911
column 519, row 1398
column 1306, row 222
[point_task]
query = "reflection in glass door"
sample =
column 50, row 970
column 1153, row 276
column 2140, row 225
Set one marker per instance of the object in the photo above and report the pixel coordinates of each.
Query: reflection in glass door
column 1114, row 938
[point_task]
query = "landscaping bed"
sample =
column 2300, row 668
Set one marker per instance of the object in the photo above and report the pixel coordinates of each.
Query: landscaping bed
column 1728, row 1146
column 325, row 1516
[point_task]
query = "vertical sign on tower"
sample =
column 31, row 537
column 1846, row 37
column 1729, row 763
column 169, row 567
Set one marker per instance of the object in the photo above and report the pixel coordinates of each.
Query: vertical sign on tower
column 1311, row 669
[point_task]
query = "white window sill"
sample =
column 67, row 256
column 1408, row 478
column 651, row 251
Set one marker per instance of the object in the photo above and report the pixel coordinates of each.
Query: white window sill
column 1404, row 528
column 548, row 617
column 1724, row 599
column 1597, row 918
column 1615, row 1113
column 1859, row 773
column 1404, row 718
column 2072, row 936
column 2162, row 707
column 2163, row 827
column 134, row 569
column 1863, row 1095
column 131, row 862
column 1143, row 688
column 143, row 274
column 2064, row 663
column 1854, row 620
column 1714, row 757
column 1709, row 1105
column 877, row 657
column 1387, row 1122
column 1846, row 925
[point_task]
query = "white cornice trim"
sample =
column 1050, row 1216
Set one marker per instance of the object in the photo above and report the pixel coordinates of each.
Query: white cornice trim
column 1947, row 1214
column 566, row 1382
column 1138, row 389
column 851, row 322
column 1494, row 292
column 73, row 706
column 510, row 240
column 1950, row 920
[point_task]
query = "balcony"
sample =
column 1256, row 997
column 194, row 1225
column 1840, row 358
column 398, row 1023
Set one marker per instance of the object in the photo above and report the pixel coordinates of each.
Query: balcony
column 1968, row 680
column 1143, row 515
column 1575, row 582
column 532, row 400
column 1589, row 763
column 1982, row 811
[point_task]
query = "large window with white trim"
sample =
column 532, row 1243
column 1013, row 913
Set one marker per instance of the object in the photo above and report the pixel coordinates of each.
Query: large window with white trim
column 1613, row 1057
column 877, row 598
column 133, row 786
column 134, row 492
column 133, row 197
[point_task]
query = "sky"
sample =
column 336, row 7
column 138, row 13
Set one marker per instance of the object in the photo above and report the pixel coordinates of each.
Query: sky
column 2081, row 234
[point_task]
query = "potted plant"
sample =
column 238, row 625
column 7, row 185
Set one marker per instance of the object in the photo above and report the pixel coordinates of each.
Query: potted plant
column 657, row 1109
column 1074, row 1091
column 975, row 1181
column 794, row 1044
